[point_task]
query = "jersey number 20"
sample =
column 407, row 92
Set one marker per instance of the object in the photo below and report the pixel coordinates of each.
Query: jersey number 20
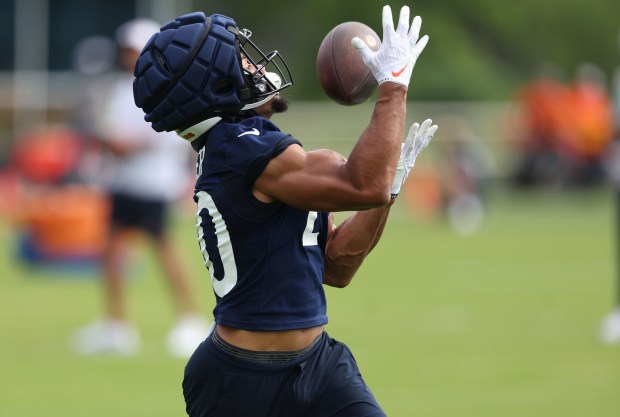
column 217, row 252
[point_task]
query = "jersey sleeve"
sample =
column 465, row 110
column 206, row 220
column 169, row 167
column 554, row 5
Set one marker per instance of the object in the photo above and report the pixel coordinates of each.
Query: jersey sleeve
column 259, row 165
column 248, row 155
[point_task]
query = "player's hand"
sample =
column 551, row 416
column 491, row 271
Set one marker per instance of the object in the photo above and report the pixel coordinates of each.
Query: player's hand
column 399, row 49
column 418, row 138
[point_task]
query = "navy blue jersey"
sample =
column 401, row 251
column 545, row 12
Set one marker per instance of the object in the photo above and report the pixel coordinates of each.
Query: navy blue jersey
column 265, row 260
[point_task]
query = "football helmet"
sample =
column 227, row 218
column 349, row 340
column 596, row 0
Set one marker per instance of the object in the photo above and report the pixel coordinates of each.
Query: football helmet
column 201, row 67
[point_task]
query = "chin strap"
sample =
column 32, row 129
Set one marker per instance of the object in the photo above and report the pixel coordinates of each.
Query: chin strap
column 194, row 132
column 258, row 103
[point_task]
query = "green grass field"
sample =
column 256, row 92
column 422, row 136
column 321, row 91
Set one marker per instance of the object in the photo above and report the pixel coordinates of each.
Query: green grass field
column 501, row 323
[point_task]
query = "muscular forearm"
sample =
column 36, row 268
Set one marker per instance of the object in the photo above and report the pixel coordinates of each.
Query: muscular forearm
column 372, row 162
column 350, row 243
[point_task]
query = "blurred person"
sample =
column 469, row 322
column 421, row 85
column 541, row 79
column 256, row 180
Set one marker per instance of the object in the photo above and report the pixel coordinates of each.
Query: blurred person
column 588, row 128
column 465, row 167
column 264, row 224
column 542, row 105
column 150, row 171
column 565, row 130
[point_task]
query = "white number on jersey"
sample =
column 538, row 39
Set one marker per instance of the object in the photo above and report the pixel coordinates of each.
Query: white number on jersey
column 201, row 157
column 310, row 238
column 224, row 246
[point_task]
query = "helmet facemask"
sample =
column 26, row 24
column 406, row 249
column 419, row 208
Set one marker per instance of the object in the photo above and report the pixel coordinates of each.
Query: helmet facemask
column 265, row 74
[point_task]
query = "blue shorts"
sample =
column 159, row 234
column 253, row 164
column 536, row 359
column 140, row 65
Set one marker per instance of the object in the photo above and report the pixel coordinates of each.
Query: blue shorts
column 324, row 381
column 146, row 215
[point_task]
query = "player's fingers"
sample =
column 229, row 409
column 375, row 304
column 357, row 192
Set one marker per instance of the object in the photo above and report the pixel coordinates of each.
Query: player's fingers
column 420, row 45
column 420, row 137
column 429, row 134
column 424, row 127
column 414, row 32
column 410, row 143
column 388, row 22
column 426, row 138
column 403, row 22
column 362, row 48
column 413, row 130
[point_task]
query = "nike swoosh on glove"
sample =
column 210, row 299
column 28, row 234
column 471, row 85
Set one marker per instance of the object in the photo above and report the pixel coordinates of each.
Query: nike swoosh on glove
column 399, row 50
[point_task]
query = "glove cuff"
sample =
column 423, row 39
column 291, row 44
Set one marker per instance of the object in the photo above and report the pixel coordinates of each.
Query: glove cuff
column 394, row 80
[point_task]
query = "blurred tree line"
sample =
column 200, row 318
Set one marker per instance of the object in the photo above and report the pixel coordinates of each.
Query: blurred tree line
column 478, row 50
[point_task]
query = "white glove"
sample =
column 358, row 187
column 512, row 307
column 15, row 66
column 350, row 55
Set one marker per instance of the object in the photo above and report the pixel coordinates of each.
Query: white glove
column 399, row 49
column 417, row 139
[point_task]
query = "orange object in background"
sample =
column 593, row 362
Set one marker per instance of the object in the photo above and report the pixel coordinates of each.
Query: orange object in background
column 575, row 119
column 543, row 113
column 65, row 222
column 590, row 122
column 423, row 192
column 46, row 155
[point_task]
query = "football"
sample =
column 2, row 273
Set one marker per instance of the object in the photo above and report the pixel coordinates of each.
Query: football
column 339, row 67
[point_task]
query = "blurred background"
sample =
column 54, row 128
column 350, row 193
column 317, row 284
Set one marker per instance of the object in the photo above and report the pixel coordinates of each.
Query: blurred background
column 495, row 285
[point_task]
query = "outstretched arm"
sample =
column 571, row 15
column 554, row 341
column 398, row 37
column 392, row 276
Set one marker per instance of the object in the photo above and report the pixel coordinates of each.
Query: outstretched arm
column 325, row 181
column 349, row 243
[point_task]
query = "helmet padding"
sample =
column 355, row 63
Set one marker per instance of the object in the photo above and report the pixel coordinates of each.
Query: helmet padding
column 189, row 71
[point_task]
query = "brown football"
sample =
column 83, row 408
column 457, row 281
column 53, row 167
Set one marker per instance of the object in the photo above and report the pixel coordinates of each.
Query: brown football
column 339, row 67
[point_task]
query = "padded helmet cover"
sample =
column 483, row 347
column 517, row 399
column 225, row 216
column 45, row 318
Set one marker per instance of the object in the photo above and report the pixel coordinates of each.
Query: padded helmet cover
column 191, row 70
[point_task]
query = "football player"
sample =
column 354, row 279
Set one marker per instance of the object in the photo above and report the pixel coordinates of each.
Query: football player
column 264, row 223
